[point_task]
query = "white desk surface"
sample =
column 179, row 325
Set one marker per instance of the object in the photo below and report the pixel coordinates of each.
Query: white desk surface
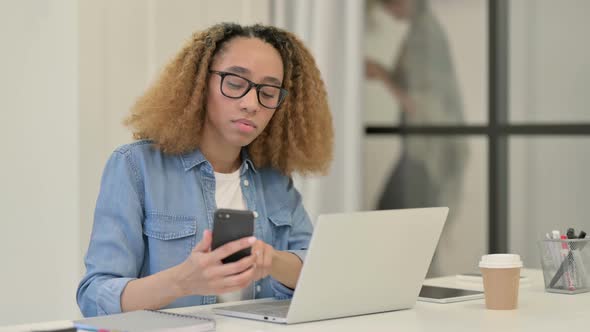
column 537, row 311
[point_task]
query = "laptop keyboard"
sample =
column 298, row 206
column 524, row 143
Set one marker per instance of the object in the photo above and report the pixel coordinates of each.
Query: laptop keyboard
column 274, row 309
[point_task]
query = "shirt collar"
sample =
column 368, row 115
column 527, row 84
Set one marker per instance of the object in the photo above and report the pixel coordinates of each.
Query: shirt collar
column 246, row 161
column 194, row 158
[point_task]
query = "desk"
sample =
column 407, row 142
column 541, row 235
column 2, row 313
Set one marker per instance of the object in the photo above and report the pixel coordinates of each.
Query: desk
column 538, row 311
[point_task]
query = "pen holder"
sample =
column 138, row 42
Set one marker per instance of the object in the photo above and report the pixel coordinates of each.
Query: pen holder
column 566, row 265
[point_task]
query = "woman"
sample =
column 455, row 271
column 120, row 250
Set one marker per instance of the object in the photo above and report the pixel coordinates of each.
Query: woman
column 236, row 112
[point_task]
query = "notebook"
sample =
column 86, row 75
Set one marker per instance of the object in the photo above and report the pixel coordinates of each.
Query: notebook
column 357, row 263
column 148, row 320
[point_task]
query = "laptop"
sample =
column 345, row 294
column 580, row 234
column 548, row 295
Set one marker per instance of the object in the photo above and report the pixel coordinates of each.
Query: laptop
column 357, row 263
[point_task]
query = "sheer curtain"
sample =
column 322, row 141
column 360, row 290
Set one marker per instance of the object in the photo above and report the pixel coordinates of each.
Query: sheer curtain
column 332, row 29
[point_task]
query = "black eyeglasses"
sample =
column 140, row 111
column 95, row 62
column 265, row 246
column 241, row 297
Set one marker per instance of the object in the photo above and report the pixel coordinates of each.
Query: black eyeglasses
column 235, row 86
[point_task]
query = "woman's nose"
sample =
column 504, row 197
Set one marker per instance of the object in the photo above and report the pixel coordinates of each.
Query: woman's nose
column 249, row 102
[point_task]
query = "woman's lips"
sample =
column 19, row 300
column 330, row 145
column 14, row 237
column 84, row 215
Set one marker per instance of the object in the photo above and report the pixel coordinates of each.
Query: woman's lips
column 245, row 125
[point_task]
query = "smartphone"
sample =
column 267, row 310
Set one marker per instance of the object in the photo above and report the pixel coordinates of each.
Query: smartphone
column 447, row 295
column 230, row 225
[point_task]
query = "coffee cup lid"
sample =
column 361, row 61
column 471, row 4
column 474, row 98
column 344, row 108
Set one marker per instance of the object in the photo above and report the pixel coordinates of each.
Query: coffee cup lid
column 496, row 261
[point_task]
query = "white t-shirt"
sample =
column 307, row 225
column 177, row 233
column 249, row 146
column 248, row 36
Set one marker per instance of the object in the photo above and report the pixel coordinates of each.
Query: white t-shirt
column 228, row 195
column 228, row 192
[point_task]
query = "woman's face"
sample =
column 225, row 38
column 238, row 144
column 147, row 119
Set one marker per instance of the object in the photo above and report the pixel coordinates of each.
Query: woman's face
column 237, row 122
column 401, row 9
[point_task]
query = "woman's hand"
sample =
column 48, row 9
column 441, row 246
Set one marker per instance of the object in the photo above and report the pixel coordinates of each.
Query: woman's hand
column 264, row 254
column 203, row 273
column 375, row 71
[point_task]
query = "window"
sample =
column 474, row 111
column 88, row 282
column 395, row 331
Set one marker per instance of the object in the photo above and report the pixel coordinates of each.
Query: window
column 468, row 106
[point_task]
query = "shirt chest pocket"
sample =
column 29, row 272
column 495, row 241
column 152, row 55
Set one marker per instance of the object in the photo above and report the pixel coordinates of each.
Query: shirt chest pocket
column 169, row 240
column 280, row 224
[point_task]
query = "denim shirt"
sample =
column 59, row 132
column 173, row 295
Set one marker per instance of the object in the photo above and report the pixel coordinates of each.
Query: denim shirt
column 152, row 210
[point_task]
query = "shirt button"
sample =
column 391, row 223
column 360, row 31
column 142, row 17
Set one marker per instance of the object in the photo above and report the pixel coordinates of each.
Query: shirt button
column 246, row 183
column 258, row 288
column 255, row 214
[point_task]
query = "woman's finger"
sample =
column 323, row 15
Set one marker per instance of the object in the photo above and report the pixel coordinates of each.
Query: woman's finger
column 205, row 244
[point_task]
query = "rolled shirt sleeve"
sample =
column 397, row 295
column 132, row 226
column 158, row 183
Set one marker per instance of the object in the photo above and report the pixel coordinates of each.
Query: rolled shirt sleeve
column 108, row 299
column 116, row 251
column 299, row 237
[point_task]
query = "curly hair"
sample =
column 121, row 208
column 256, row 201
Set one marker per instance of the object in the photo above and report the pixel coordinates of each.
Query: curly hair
column 299, row 136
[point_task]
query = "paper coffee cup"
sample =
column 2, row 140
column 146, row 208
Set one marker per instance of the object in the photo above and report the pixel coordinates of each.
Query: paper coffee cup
column 501, row 278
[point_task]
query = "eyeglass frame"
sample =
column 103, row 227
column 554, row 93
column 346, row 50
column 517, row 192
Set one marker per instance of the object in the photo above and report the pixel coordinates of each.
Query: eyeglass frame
column 282, row 91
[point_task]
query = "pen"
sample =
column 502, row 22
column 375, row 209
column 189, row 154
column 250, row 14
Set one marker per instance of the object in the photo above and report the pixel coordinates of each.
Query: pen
column 557, row 255
column 571, row 233
column 564, row 255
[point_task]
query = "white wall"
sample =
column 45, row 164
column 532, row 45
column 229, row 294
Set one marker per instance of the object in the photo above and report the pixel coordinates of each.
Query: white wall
column 70, row 71
column 39, row 169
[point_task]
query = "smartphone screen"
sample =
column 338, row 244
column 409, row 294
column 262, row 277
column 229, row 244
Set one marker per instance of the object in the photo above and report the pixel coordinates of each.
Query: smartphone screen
column 230, row 225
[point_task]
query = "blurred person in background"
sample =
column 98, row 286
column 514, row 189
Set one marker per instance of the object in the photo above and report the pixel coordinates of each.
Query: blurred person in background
column 423, row 80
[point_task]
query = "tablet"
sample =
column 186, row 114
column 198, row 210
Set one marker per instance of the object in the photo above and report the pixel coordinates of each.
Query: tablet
column 447, row 295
